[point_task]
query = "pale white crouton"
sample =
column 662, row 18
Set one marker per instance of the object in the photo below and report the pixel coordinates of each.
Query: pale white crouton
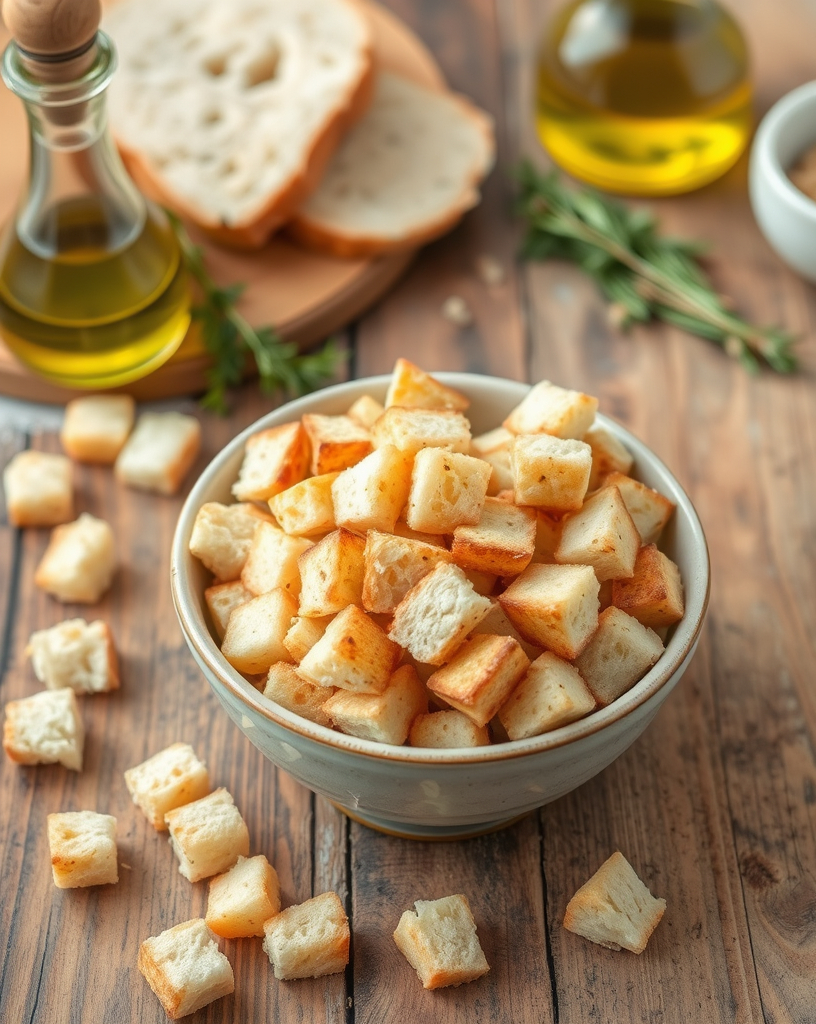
column 554, row 606
column 160, row 452
column 649, row 509
column 480, row 676
column 614, row 908
column 241, row 900
column 439, row 941
column 620, row 652
column 208, row 835
column 371, row 495
column 549, row 472
column 447, row 729
column 255, row 632
column 287, row 687
column 79, row 562
column 39, row 489
column 436, row 615
column 222, row 600
column 274, row 459
column 411, row 430
column 413, row 388
column 45, row 729
column 550, row 695
column 392, row 566
column 309, row 940
column 185, row 968
column 384, row 717
column 96, row 427
column 353, row 653
column 222, row 536
column 549, row 409
column 272, row 561
column 494, row 448
column 501, row 543
column 77, row 654
column 167, row 780
column 83, row 849
column 548, row 536
column 306, row 508
column 602, row 535
column 654, row 594
column 609, row 455
column 366, row 411
column 496, row 623
column 447, row 490
column 337, row 442
column 331, row 574
column 303, row 634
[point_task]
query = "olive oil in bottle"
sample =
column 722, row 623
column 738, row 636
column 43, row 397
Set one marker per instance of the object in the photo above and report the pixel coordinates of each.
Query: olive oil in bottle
column 646, row 97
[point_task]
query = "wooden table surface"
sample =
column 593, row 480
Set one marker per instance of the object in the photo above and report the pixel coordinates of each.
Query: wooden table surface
column 715, row 805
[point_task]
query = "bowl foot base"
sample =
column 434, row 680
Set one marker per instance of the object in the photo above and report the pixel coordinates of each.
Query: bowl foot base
column 427, row 833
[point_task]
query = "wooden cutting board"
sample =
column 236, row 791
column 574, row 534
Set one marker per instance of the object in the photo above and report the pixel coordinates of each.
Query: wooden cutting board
column 306, row 295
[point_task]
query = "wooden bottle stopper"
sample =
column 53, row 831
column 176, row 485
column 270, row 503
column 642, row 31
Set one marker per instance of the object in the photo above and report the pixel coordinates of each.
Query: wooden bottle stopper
column 49, row 31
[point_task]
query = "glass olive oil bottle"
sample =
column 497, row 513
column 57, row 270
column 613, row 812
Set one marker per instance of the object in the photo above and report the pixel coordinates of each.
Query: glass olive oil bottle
column 647, row 97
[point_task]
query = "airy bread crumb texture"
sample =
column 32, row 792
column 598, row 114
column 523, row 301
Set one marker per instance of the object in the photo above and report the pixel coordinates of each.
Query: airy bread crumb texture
column 76, row 654
column 274, row 460
column 208, row 835
column 242, row 899
column 83, row 849
column 287, row 687
column 79, row 562
column 309, row 940
column 167, row 780
column 619, row 653
column 160, row 452
column 222, row 536
column 439, row 941
column 39, row 489
column 45, row 729
column 96, row 427
column 447, row 729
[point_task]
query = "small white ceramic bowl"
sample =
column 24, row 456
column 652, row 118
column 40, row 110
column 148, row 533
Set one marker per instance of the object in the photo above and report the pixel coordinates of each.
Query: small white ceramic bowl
column 438, row 793
column 786, row 216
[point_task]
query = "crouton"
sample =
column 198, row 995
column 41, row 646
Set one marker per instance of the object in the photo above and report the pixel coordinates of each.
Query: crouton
column 384, row 717
column 602, row 535
column 480, row 676
column 649, row 509
column 371, row 495
column 502, row 542
column 609, row 455
column 167, row 780
column 185, row 968
column 79, row 562
column 436, row 615
column 447, row 490
column 614, row 908
column 439, row 941
column 222, row 599
column 77, row 654
column 620, row 653
column 337, row 442
column 287, row 687
column 550, row 695
column 256, row 630
column 549, row 472
column 366, row 411
column 392, row 566
column 45, row 729
column 496, row 623
column 548, row 409
column 222, row 536
column 96, row 427
column 274, row 459
column 413, row 388
column 83, row 849
column 160, row 452
column 494, row 448
column 303, row 634
column 411, row 430
column 353, row 654
column 208, row 835
column 554, row 606
column 309, row 940
column 331, row 574
column 239, row 901
column 39, row 489
column 272, row 561
column 548, row 535
column 654, row 594
column 306, row 509
column 447, row 729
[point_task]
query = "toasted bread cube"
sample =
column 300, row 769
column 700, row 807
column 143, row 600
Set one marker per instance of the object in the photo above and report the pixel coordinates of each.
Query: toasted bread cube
column 554, row 606
column 447, row 729
column 548, row 537
column 551, row 694
column 502, row 542
column 185, row 968
column 303, row 634
column 287, row 687
column 614, row 908
column 241, row 900
column 620, row 653
column 392, row 566
column 331, row 574
column 256, row 630
column 77, row 654
column 384, row 717
column 83, row 849
column 309, row 940
column 496, row 623
column 39, row 489
column 222, row 600
column 609, row 455
column 549, row 472
column 436, row 615
column 208, row 835
column 654, row 594
column 494, row 448
column 649, row 509
column 222, row 536
column 274, row 459
column 371, row 495
column 160, row 452
column 411, row 430
column 96, row 427
column 45, row 729
column 306, row 508
column 79, row 562
column 602, row 535
column 413, row 388
column 439, row 941
column 366, row 411
column 354, row 653
column 272, row 561
column 447, row 490
column 167, row 780
column 548, row 409
column 402, row 529
column 337, row 442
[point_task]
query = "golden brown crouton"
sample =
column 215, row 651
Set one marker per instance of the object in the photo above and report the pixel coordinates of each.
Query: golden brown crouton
column 548, row 409
column 185, row 968
column 303, row 635
column 160, row 452
column 480, row 676
column 331, row 574
column 609, row 455
column 337, row 442
column 501, row 543
column 287, row 687
column 207, row 835
column 222, row 599
column 413, row 388
column 366, row 411
column 370, row 495
column 411, row 430
column 602, row 535
column 447, row 729
column 439, row 941
column 494, row 448
column 169, row 779
column 79, row 562
column 274, row 459
column 619, row 653
column 549, row 472
column 654, row 594
column 222, row 536
column 649, row 509
column 392, row 566
column 39, row 489
column 239, row 901
column 83, row 849
column 383, row 717
column 550, row 695
column 255, row 632
column 354, row 653
column 309, row 940
column 272, row 561
column 96, row 427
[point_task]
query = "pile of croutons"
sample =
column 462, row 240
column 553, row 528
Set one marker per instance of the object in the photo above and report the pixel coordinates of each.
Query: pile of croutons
column 388, row 575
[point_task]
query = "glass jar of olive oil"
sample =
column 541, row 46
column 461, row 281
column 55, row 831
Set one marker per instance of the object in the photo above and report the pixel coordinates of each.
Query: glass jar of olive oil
column 646, row 97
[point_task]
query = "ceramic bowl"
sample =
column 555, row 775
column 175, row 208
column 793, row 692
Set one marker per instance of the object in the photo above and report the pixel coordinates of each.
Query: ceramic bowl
column 786, row 216
column 425, row 793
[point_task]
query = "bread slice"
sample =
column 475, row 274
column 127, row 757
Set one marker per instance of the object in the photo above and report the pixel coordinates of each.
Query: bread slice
column 45, row 729
column 39, row 489
column 439, row 941
column 208, row 835
column 404, row 175
column 83, row 849
column 96, row 427
column 241, row 900
column 229, row 114
column 77, row 654
column 160, row 452
column 309, row 940
column 169, row 779
column 79, row 562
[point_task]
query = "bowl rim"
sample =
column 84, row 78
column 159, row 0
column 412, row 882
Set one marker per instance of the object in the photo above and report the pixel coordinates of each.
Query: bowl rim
column 679, row 649
column 765, row 146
